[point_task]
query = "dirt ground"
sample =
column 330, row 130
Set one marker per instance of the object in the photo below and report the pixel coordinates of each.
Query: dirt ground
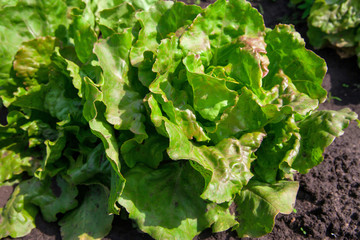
column 328, row 201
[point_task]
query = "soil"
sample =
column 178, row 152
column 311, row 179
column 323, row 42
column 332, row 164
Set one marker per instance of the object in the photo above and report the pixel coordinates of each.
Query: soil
column 328, row 201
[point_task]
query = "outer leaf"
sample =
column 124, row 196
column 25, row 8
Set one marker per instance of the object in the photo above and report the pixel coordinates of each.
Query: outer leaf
column 220, row 214
column 177, row 211
column 12, row 163
column 286, row 51
column 259, row 203
column 90, row 220
column 318, row 131
column 40, row 194
column 17, row 219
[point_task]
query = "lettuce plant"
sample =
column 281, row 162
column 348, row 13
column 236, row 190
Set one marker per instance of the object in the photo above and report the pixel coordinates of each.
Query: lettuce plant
column 335, row 23
column 172, row 113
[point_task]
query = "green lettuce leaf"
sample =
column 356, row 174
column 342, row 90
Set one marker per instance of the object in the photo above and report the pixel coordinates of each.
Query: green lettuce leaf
column 32, row 61
column 259, row 203
column 214, row 31
column 174, row 188
column 93, row 166
column 318, row 131
column 5, row 3
column 155, row 26
column 150, row 152
column 245, row 115
column 17, row 140
column 17, row 218
column 227, row 163
column 117, row 19
column 40, row 194
column 286, row 48
column 90, row 220
column 57, row 100
column 12, row 162
column 147, row 36
column 176, row 108
column 278, row 150
column 123, row 104
column 84, row 38
column 94, row 113
column 27, row 20
column 211, row 101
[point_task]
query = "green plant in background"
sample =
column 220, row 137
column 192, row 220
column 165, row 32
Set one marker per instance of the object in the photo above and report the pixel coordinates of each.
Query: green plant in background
column 335, row 23
column 304, row 5
column 167, row 111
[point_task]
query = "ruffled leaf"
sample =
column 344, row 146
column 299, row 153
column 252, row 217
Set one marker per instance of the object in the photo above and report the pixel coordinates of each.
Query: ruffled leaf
column 259, row 203
column 176, row 211
column 318, row 131
column 17, row 218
